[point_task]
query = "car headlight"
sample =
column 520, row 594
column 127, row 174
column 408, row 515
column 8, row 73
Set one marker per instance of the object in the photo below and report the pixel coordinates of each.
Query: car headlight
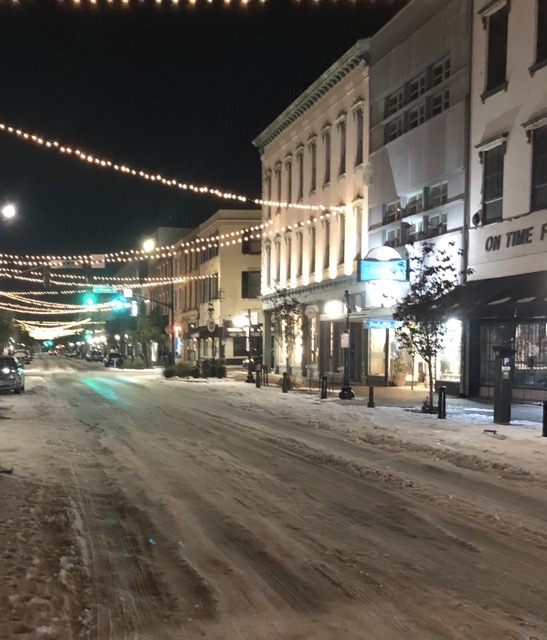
column 6, row 370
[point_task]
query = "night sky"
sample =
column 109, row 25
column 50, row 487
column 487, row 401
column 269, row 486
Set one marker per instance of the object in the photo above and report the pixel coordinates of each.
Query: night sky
column 177, row 91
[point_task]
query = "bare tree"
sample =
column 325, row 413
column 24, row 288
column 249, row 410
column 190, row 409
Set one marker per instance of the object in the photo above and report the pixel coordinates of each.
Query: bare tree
column 286, row 323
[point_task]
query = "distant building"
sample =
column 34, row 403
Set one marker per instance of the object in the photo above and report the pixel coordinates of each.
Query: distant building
column 506, row 300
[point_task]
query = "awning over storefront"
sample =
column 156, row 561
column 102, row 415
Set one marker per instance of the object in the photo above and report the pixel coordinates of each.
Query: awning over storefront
column 519, row 296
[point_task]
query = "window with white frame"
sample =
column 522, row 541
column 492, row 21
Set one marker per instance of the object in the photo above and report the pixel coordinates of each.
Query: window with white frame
column 415, row 231
column 437, row 195
column 326, row 244
column 496, row 23
column 395, row 128
column 492, row 182
column 539, row 168
column 313, row 240
column 312, row 147
column 268, row 192
column 268, row 263
column 327, row 148
column 359, row 135
column 299, row 253
column 416, row 116
column 278, row 185
column 395, row 102
column 288, row 171
column 440, row 72
column 342, row 138
column 300, row 168
column 439, row 102
column 393, row 237
column 416, row 87
column 391, row 211
column 414, row 203
column 436, row 225
column 288, row 254
column 277, row 245
column 342, row 239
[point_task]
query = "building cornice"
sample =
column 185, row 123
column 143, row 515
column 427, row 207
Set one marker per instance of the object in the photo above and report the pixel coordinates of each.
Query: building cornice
column 334, row 74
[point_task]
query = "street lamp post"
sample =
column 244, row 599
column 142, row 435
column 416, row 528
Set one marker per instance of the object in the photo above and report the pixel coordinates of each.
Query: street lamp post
column 346, row 392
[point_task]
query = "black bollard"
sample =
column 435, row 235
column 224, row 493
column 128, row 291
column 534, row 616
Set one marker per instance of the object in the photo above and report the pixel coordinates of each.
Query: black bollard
column 442, row 402
column 258, row 375
column 544, row 434
column 324, row 383
column 285, row 382
column 371, row 397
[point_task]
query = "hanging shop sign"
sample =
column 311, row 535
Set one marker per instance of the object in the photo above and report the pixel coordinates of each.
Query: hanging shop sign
column 382, row 323
column 382, row 270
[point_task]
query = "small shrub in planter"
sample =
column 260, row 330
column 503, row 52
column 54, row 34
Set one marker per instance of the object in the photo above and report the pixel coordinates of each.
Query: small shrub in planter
column 195, row 373
column 169, row 372
column 294, row 382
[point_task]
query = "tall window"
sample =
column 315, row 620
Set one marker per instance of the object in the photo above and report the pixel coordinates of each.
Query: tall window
column 277, row 261
column 268, row 265
column 437, row 195
column 359, row 136
column 250, row 284
column 278, row 185
column 326, row 244
column 313, row 239
column 343, row 141
column 300, row 163
column 251, row 246
column 342, row 238
column 493, row 183
column 327, row 144
column 539, row 168
column 541, row 38
column 288, row 262
column 299, row 253
column 313, row 166
column 496, row 69
column 288, row 169
column 268, row 192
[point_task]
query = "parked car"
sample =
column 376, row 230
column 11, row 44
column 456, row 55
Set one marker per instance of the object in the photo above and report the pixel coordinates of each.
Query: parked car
column 94, row 355
column 12, row 375
column 113, row 359
column 23, row 356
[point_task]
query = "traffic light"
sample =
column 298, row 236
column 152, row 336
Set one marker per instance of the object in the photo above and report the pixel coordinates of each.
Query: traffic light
column 89, row 298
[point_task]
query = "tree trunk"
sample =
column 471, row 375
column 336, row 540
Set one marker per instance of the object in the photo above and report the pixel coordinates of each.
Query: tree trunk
column 430, row 374
column 144, row 347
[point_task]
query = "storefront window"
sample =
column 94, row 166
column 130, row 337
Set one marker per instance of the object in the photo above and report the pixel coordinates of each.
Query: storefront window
column 449, row 358
column 376, row 352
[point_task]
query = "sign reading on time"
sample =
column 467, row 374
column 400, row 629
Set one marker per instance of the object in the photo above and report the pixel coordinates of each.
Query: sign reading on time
column 514, row 238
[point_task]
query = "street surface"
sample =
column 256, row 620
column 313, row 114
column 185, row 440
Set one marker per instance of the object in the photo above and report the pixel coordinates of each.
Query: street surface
column 145, row 509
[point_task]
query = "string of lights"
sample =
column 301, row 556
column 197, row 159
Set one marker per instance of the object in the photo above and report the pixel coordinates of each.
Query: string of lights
column 132, row 3
column 92, row 159
column 8, row 306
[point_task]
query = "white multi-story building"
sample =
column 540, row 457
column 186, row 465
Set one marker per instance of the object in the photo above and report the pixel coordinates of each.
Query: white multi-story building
column 419, row 97
column 508, row 193
column 313, row 158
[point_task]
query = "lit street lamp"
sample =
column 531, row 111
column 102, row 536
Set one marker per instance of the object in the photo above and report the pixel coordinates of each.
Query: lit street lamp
column 8, row 211
column 245, row 322
column 332, row 308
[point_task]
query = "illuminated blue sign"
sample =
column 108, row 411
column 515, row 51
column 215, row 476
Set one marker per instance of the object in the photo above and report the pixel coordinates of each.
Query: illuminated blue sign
column 382, row 323
column 382, row 270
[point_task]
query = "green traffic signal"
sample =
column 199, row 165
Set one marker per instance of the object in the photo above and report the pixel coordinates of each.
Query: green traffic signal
column 90, row 298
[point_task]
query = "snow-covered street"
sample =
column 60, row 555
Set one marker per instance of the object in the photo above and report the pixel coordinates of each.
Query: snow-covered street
column 149, row 509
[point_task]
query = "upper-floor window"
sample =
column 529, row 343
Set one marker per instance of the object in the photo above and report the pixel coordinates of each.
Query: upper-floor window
column 439, row 102
column 394, row 102
column 492, row 189
column 288, row 253
column 299, row 253
column 414, row 203
column 359, row 135
column 278, row 185
column 440, row 72
column 313, row 239
column 342, row 132
column 277, row 246
column 268, row 192
column 395, row 128
column 436, row 225
column 268, row 264
column 392, row 211
column 416, row 87
column 437, row 195
column 342, row 239
column 251, row 246
column 326, row 244
column 300, row 166
column 327, row 145
column 250, row 284
column 393, row 237
column 288, row 170
column 496, row 61
column 313, row 165
column 415, row 231
column 416, row 116
column 541, row 36
column 539, row 168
